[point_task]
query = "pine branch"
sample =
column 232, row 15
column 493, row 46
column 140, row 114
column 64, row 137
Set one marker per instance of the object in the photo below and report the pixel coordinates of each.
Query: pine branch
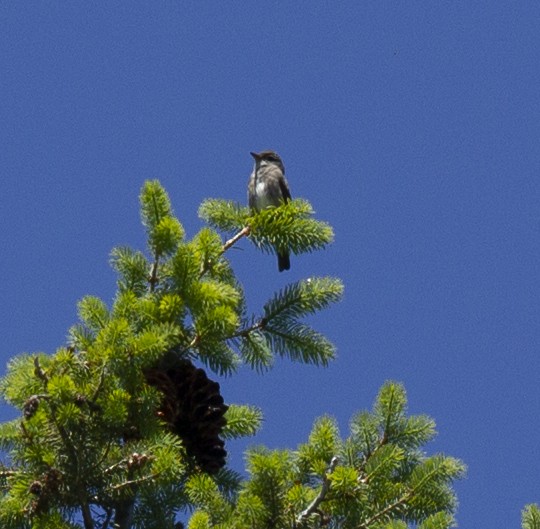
column 244, row 232
column 405, row 497
column 71, row 449
column 530, row 517
column 124, row 510
column 303, row 298
column 383, row 441
column 242, row 333
column 225, row 215
column 312, row 507
column 39, row 372
column 153, row 279
column 389, row 508
column 134, row 482
column 387, row 422
column 100, row 385
column 118, row 464
column 191, row 345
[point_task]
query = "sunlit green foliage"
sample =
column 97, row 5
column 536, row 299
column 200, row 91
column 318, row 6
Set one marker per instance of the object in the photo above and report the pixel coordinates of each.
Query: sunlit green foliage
column 531, row 517
column 92, row 445
column 377, row 477
column 95, row 445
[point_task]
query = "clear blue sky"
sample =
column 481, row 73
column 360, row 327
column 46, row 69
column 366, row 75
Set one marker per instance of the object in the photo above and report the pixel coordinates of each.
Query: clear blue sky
column 412, row 127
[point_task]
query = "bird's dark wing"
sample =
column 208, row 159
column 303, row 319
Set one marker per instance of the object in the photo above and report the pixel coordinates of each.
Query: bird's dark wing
column 284, row 189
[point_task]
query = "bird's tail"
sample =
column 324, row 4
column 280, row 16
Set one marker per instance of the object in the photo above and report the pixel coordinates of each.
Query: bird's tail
column 284, row 263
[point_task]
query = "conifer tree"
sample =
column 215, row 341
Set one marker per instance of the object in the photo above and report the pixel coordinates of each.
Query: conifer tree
column 124, row 426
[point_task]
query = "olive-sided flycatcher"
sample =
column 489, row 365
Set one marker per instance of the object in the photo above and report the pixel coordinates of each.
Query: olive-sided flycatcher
column 268, row 187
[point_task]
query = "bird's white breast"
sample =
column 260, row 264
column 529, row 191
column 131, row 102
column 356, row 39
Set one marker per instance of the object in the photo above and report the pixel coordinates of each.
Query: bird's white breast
column 260, row 188
column 263, row 199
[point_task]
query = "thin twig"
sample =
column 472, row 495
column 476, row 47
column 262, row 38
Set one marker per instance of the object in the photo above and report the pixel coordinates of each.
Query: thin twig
column 135, row 481
column 312, row 508
column 39, row 372
column 124, row 508
column 404, row 498
column 208, row 263
column 105, row 453
column 244, row 332
column 244, row 232
column 153, row 280
column 191, row 344
column 134, row 460
column 99, row 386
column 387, row 509
column 120, row 463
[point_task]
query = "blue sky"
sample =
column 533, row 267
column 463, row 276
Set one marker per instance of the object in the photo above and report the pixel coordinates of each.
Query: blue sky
column 412, row 127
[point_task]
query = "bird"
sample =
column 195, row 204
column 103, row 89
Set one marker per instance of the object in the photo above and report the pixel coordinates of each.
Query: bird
column 268, row 187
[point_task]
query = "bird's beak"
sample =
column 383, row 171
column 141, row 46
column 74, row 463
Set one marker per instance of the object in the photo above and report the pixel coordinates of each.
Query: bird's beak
column 255, row 155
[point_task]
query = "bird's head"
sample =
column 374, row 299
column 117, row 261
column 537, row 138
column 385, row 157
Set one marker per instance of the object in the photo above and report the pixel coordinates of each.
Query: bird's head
column 267, row 158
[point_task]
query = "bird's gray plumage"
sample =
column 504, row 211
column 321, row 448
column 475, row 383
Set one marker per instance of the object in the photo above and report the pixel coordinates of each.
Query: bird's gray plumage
column 268, row 187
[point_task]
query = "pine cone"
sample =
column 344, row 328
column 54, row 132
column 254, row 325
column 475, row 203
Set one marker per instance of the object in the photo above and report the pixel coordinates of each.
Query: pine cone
column 194, row 409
